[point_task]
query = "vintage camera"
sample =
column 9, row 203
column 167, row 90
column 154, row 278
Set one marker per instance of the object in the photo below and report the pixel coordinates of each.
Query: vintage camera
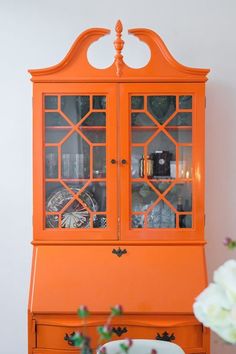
column 161, row 163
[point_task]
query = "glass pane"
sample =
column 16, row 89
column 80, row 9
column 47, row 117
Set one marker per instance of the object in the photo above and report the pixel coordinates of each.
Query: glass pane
column 97, row 195
column 99, row 162
column 99, row 102
column 138, row 221
column 141, row 119
column 54, row 136
column 161, row 186
column 163, row 152
column 181, row 135
column 75, row 107
column 75, row 157
column 143, row 196
column 185, row 161
column 180, row 196
column 51, row 102
column 185, row 221
column 55, row 119
column 76, row 216
column 161, row 216
column 95, row 136
column 75, row 187
column 52, row 221
column 137, row 153
column 100, row 221
column 95, row 119
column 181, row 119
column 185, row 102
column 141, row 136
column 57, row 196
column 137, row 102
column 51, row 162
column 161, row 107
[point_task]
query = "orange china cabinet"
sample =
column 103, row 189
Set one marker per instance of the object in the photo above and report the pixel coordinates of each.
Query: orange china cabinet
column 118, row 197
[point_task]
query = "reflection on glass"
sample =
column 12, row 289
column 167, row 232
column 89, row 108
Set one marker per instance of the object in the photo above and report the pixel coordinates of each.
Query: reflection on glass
column 98, row 192
column 50, row 102
column 185, row 102
column 181, row 135
column 185, row 162
column 161, row 186
column 99, row 162
column 54, row 119
column 100, row 221
column 140, row 136
column 137, row 153
column 137, row 102
column 141, row 119
column 99, row 102
column 51, row 162
column 75, row 187
column 161, row 107
column 75, row 107
column 185, row 221
column 95, row 136
column 180, row 196
column 55, row 136
column 161, row 216
column 137, row 221
column 181, row 119
column 143, row 196
column 95, row 119
column 75, row 157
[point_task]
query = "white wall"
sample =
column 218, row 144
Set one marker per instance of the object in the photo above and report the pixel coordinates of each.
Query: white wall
column 36, row 34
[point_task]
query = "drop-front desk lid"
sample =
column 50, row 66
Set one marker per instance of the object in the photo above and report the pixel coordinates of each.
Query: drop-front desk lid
column 147, row 279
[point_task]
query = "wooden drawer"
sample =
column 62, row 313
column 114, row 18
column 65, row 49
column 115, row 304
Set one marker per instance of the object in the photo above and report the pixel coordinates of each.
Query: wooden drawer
column 51, row 336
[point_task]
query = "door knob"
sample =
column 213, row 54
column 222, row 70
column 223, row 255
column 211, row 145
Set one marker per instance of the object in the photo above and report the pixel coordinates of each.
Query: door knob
column 123, row 162
column 113, row 161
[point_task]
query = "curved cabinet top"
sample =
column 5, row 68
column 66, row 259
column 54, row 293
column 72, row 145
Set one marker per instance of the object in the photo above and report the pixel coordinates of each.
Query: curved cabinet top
column 162, row 67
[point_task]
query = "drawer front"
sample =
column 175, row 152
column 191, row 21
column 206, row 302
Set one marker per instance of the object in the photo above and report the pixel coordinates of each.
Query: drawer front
column 142, row 279
column 52, row 337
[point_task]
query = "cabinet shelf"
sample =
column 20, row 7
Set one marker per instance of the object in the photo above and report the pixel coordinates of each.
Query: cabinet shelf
column 62, row 127
column 178, row 180
column 174, row 127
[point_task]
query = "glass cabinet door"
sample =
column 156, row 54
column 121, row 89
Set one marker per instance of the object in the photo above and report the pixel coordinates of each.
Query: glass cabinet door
column 160, row 173
column 76, row 176
column 161, row 161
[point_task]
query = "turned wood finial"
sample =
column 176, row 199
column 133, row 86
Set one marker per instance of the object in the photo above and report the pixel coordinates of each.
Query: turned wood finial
column 118, row 43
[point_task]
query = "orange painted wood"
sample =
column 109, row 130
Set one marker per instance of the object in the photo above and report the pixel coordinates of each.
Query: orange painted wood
column 141, row 280
column 40, row 232
column 163, row 271
column 198, row 157
column 162, row 67
column 52, row 337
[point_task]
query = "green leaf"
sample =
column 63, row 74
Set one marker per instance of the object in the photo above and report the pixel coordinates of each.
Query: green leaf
column 117, row 310
column 82, row 311
column 105, row 332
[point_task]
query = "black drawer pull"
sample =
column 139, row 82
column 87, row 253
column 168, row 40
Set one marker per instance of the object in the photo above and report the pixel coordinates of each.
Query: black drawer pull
column 119, row 252
column 165, row 336
column 119, row 331
column 68, row 338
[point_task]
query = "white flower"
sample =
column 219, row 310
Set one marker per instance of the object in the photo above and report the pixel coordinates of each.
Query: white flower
column 215, row 307
column 225, row 276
